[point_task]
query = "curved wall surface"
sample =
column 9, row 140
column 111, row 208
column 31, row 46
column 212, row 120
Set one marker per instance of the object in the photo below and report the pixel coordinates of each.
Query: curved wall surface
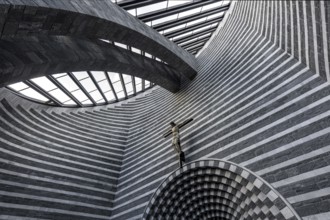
column 255, row 101
column 215, row 189
column 259, row 100
column 59, row 163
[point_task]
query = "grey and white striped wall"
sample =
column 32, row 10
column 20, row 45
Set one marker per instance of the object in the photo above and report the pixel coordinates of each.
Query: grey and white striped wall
column 261, row 99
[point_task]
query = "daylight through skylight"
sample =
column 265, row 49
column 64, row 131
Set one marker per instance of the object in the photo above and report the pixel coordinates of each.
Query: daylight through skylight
column 80, row 89
column 189, row 23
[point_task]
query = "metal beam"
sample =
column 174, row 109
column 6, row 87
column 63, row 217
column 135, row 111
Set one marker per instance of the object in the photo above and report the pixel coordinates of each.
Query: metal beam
column 191, row 43
column 123, row 84
column 191, row 27
column 82, row 88
column 111, row 86
column 61, row 87
column 173, row 10
column 195, row 16
column 131, row 4
column 42, row 92
column 192, row 36
column 134, row 85
column 143, row 85
column 97, row 86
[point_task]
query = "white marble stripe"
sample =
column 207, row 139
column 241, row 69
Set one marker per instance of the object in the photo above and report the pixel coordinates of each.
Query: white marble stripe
column 53, row 150
column 271, row 19
column 276, row 136
column 53, row 181
column 136, row 217
column 129, row 210
column 267, row 15
column 305, row 32
column 281, row 22
column 292, row 28
column 55, row 200
column 53, row 190
column 79, row 146
column 302, row 176
column 149, row 193
column 316, row 54
column 310, row 195
column 50, row 210
column 294, row 160
column 286, row 41
column 263, row 8
column 258, row 14
column 265, row 105
column 320, row 216
column 325, row 40
column 51, row 164
column 299, row 32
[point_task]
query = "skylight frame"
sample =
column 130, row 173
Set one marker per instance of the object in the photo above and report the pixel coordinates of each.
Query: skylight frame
column 70, row 99
column 172, row 21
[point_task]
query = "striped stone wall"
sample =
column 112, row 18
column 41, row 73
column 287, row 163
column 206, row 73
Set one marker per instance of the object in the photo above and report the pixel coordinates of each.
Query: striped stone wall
column 301, row 28
column 215, row 189
column 256, row 101
column 59, row 164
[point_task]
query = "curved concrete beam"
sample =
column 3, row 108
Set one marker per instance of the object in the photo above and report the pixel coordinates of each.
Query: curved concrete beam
column 92, row 19
column 28, row 57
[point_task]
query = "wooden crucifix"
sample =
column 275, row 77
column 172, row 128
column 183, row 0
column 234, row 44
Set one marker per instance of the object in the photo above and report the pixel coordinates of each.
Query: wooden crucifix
column 176, row 139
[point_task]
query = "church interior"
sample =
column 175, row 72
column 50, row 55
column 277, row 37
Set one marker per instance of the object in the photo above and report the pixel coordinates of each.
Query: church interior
column 89, row 90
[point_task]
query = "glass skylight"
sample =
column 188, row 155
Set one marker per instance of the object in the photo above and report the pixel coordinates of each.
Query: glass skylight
column 78, row 89
column 133, row 49
column 171, row 17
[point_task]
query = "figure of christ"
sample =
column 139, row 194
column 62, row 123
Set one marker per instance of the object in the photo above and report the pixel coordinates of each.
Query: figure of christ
column 175, row 131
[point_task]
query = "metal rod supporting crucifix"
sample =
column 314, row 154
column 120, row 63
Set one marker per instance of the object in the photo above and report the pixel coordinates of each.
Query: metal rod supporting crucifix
column 175, row 131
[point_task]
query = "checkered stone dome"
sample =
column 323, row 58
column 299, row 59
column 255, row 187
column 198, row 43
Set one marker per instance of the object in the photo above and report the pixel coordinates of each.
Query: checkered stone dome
column 215, row 189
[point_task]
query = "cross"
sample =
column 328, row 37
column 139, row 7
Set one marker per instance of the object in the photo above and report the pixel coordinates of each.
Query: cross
column 176, row 138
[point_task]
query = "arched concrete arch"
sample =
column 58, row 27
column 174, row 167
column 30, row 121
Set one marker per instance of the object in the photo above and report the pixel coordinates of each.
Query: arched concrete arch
column 93, row 19
column 214, row 188
column 28, row 57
